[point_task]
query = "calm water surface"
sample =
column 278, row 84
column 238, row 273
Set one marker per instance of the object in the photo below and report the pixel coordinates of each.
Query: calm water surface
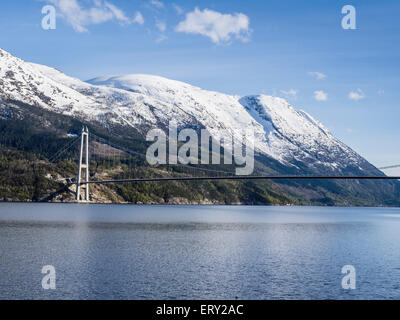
column 198, row 252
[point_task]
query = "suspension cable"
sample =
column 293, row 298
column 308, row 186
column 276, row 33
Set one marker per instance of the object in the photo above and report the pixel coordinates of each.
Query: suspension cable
column 128, row 151
column 59, row 153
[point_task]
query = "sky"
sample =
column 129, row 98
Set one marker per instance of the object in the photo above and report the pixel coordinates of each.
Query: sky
column 298, row 50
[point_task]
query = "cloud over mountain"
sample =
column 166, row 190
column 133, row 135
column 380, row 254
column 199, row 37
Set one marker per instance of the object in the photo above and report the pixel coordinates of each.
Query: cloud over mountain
column 317, row 75
column 220, row 28
column 320, row 95
column 94, row 12
column 356, row 95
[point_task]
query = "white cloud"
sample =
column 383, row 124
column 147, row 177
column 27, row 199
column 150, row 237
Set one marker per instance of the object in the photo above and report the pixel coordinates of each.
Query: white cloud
column 158, row 4
column 178, row 9
column 381, row 92
column 162, row 26
column 79, row 17
column 118, row 13
column 356, row 95
column 290, row 93
column 217, row 26
column 320, row 95
column 138, row 18
column 317, row 75
column 161, row 38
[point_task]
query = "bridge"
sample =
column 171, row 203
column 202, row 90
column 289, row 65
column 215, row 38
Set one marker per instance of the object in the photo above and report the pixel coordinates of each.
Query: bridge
column 108, row 154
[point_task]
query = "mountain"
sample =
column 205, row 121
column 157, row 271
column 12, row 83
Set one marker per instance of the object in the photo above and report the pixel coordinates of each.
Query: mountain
column 282, row 132
column 286, row 140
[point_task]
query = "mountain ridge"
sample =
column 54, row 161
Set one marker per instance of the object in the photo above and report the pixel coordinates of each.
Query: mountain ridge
column 282, row 132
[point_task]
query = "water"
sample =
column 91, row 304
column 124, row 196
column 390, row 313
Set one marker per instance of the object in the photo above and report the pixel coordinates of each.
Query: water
column 198, row 252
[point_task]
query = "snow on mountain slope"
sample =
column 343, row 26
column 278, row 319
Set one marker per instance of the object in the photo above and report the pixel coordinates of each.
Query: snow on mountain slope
column 215, row 111
column 281, row 132
column 20, row 81
column 135, row 109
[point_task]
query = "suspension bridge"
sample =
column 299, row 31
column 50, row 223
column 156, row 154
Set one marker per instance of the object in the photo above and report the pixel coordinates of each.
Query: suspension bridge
column 121, row 162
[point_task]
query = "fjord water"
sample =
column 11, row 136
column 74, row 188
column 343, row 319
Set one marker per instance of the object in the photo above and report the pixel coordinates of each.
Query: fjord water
column 198, row 252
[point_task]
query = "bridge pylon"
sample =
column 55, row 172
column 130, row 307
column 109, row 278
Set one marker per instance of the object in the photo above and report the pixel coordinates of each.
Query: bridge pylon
column 83, row 165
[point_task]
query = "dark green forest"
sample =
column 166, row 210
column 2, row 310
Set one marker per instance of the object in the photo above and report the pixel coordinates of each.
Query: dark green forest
column 30, row 137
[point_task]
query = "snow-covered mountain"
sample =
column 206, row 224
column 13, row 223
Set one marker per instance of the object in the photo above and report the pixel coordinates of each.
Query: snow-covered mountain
column 282, row 133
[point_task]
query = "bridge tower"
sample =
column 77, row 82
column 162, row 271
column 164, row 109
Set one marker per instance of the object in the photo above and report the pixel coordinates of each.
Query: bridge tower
column 83, row 165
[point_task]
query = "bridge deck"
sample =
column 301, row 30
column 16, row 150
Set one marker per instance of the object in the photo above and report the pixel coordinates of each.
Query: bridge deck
column 246, row 178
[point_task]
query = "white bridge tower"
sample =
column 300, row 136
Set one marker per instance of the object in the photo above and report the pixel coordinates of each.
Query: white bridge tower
column 83, row 165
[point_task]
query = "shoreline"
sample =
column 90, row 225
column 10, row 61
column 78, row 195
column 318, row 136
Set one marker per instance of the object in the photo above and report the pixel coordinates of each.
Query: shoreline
column 193, row 205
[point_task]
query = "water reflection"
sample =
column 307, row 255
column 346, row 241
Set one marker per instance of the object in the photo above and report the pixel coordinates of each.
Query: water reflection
column 130, row 252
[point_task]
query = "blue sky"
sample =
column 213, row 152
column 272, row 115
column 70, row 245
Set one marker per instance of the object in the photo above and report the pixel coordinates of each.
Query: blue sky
column 290, row 48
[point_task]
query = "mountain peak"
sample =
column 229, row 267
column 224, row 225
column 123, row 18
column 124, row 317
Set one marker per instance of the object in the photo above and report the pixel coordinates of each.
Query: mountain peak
column 141, row 101
column 5, row 55
column 3, row 52
column 141, row 83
